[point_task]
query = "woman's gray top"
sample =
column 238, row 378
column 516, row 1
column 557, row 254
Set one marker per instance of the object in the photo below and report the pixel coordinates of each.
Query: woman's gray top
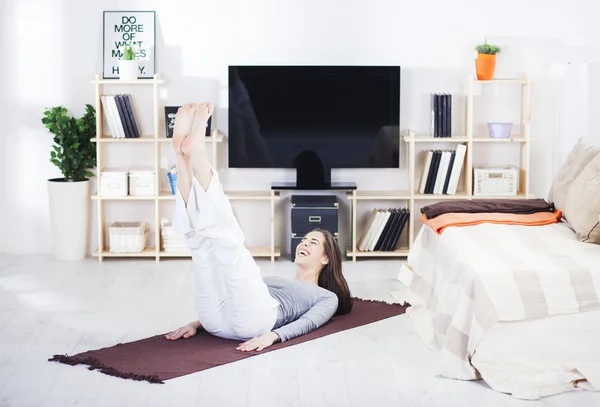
column 303, row 306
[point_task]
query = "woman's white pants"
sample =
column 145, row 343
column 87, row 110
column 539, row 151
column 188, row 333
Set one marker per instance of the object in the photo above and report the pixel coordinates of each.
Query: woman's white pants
column 232, row 300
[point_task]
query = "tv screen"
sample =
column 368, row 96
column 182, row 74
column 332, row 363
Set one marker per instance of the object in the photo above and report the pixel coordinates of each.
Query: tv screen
column 340, row 116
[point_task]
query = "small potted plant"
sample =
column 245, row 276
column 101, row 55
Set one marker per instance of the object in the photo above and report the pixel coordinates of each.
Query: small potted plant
column 74, row 153
column 485, row 64
column 128, row 65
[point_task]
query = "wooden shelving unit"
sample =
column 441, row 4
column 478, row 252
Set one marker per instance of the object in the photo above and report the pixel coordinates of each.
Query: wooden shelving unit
column 411, row 140
column 159, row 140
column 410, row 196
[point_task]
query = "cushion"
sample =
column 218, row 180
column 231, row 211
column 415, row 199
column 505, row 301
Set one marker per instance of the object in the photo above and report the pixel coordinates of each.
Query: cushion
column 582, row 204
column 584, row 151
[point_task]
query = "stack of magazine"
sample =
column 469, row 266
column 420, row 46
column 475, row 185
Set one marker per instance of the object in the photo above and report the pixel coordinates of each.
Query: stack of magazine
column 442, row 171
column 441, row 115
column 383, row 230
column 118, row 111
column 171, row 241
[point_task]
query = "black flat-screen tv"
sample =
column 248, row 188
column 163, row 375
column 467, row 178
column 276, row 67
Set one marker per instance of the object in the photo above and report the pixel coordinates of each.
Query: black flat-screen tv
column 314, row 118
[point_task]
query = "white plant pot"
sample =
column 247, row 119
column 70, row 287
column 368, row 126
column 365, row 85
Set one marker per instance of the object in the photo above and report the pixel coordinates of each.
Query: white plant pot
column 128, row 70
column 69, row 218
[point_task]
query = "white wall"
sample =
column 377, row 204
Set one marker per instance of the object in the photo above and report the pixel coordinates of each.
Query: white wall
column 51, row 49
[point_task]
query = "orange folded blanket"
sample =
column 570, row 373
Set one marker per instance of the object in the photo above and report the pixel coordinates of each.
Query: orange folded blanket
column 441, row 222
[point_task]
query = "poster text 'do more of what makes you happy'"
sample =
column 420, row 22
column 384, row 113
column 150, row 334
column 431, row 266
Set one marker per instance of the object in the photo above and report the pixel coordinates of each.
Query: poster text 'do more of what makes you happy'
column 136, row 28
column 128, row 29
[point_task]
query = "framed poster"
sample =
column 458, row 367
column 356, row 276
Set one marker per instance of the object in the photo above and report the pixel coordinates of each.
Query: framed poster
column 136, row 28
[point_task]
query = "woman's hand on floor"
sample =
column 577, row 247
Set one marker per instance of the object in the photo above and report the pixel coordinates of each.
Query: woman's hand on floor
column 259, row 343
column 185, row 331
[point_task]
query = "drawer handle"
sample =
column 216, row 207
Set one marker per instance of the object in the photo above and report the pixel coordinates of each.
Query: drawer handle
column 314, row 219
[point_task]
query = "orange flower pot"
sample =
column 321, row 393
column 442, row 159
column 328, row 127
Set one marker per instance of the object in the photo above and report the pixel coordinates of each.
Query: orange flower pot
column 485, row 65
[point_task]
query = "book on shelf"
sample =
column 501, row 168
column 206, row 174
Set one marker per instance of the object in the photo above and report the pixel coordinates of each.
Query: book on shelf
column 441, row 115
column 171, row 113
column 118, row 111
column 383, row 230
column 442, row 170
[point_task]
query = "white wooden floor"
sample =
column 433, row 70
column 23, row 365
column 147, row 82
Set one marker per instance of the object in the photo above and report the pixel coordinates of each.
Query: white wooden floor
column 47, row 307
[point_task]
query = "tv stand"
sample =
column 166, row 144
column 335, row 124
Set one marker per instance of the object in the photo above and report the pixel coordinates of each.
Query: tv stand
column 332, row 186
column 311, row 173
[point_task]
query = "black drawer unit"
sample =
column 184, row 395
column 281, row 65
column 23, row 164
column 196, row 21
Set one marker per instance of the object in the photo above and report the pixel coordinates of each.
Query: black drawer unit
column 311, row 212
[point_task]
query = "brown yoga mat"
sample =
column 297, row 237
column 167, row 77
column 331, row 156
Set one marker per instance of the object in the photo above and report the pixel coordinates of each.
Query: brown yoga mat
column 156, row 359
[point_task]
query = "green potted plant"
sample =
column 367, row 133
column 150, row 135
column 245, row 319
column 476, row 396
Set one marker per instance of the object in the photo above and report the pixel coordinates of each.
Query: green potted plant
column 74, row 154
column 485, row 64
column 128, row 64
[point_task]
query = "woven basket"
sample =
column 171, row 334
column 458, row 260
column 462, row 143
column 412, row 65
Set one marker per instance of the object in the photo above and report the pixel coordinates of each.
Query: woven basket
column 128, row 237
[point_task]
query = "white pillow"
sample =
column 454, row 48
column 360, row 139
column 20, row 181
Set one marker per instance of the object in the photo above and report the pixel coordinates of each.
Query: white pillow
column 582, row 206
column 586, row 149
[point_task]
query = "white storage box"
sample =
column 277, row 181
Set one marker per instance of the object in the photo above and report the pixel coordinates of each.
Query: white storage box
column 492, row 182
column 127, row 237
column 141, row 182
column 113, row 183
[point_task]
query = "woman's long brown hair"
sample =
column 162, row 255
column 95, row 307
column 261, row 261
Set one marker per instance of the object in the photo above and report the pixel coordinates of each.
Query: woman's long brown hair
column 331, row 277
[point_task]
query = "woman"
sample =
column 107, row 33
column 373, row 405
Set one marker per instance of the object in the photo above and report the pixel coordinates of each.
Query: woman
column 233, row 301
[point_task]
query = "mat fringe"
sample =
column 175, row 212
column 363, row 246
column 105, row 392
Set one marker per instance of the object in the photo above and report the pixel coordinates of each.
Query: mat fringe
column 95, row 364
column 382, row 302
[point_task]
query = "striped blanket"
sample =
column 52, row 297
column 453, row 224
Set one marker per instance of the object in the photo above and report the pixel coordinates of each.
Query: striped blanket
column 469, row 278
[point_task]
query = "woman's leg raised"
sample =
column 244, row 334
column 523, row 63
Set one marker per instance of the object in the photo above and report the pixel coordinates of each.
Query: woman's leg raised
column 249, row 308
column 209, row 286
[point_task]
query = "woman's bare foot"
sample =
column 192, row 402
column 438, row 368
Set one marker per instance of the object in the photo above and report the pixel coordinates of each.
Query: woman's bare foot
column 183, row 125
column 196, row 141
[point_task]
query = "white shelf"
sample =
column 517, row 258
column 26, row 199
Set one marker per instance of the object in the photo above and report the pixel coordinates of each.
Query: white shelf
column 147, row 139
column 430, row 139
column 111, row 139
column 257, row 251
column 378, row 195
column 441, row 197
column 153, row 81
column 402, row 252
column 147, row 252
column 97, row 197
column 503, row 81
column 264, row 251
column 212, row 139
column 232, row 195
column 184, row 254
column 520, row 195
column 253, row 195
column 166, row 196
column 512, row 139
